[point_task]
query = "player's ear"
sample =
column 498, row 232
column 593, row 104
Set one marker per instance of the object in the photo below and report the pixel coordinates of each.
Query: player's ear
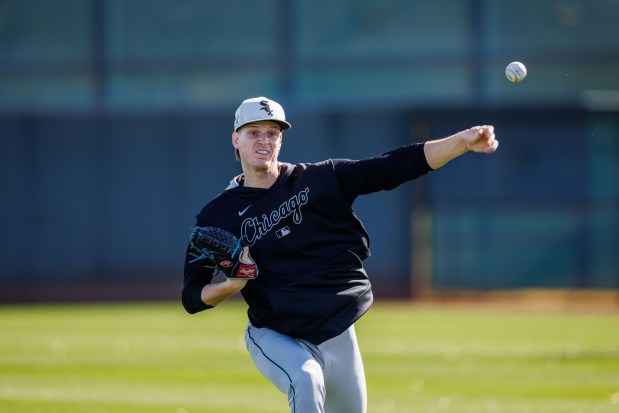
column 235, row 144
column 235, row 139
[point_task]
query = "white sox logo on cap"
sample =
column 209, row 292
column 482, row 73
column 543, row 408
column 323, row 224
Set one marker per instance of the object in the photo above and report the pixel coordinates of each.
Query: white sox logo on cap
column 265, row 107
column 259, row 109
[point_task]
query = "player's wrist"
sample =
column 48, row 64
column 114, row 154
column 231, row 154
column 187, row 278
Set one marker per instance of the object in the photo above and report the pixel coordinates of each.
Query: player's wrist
column 464, row 144
column 234, row 285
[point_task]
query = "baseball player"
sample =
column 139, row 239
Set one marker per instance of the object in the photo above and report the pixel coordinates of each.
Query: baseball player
column 302, row 235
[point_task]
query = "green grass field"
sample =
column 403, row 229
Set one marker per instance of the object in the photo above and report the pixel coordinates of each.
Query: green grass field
column 155, row 358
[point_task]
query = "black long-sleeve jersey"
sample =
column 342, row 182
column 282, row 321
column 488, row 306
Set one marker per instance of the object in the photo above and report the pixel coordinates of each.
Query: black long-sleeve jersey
column 306, row 240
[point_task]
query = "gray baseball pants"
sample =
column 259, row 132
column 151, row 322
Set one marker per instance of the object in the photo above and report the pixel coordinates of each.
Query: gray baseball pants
column 324, row 378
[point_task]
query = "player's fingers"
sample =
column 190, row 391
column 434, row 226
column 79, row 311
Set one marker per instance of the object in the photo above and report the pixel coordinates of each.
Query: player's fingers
column 492, row 146
column 483, row 139
column 491, row 138
column 483, row 131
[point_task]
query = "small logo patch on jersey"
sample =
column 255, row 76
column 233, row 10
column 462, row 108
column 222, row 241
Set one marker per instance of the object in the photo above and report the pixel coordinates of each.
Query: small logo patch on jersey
column 226, row 263
column 282, row 232
column 243, row 211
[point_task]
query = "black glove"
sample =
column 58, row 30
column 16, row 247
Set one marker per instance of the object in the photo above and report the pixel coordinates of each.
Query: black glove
column 224, row 249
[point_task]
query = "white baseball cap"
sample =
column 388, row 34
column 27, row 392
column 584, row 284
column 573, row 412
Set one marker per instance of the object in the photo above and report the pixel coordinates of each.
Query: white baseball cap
column 258, row 109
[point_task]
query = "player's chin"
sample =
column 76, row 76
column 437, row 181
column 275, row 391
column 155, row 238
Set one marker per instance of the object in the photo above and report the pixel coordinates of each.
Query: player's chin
column 263, row 159
column 261, row 164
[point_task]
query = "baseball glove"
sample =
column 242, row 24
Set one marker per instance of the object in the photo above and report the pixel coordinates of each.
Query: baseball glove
column 224, row 249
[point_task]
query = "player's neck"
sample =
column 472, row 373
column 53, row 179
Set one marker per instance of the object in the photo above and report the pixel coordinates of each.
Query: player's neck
column 260, row 178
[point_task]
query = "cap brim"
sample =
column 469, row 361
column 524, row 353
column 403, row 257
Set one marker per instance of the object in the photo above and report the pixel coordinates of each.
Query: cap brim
column 284, row 125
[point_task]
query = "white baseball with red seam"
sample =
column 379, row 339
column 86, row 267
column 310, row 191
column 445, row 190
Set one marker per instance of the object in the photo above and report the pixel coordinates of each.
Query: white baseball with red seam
column 515, row 72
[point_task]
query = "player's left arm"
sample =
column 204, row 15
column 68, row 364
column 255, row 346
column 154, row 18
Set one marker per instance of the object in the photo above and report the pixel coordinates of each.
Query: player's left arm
column 477, row 139
column 199, row 293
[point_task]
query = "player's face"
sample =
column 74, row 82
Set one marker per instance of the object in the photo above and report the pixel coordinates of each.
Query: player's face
column 258, row 144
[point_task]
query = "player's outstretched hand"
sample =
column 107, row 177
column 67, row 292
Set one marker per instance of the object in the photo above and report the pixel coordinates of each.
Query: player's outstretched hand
column 480, row 139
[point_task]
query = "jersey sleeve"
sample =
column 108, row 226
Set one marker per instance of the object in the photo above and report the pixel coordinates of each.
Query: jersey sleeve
column 383, row 172
column 197, row 275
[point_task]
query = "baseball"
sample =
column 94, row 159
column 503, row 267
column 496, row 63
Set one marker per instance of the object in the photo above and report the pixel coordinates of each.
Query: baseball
column 515, row 72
